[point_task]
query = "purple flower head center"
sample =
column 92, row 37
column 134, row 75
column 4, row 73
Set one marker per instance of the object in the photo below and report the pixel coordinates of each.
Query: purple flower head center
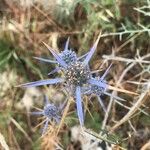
column 68, row 56
column 51, row 111
column 77, row 74
column 99, row 90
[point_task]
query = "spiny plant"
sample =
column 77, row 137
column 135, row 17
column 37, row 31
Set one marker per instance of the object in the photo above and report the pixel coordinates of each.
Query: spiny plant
column 77, row 76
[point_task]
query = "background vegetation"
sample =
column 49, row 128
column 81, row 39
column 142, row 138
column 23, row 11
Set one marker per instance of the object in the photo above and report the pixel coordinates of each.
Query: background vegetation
column 124, row 42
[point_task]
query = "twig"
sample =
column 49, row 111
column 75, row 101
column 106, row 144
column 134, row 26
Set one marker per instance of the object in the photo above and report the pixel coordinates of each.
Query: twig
column 111, row 57
column 146, row 146
column 49, row 19
column 126, row 32
column 135, row 107
column 114, row 93
column 64, row 115
column 21, row 129
column 3, row 142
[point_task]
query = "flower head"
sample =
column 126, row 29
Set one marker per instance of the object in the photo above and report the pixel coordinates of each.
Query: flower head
column 51, row 113
column 67, row 54
column 99, row 86
column 76, row 74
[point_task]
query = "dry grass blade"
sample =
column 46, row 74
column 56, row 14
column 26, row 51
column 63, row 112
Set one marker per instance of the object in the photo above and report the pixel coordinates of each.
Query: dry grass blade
column 135, row 107
column 109, row 57
column 117, row 84
column 21, row 129
column 121, row 90
column 87, row 109
column 146, row 146
column 114, row 92
column 3, row 142
column 49, row 19
column 64, row 115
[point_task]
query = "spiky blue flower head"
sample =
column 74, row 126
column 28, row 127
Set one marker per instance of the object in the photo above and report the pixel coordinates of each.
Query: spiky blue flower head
column 51, row 113
column 67, row 55
column 98, row 86
column 76, row 74
column 98, row 90
column 62, row 59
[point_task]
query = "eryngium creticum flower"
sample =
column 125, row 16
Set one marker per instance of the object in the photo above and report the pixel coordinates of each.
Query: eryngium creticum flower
column 77, row 76
column 50, row 113
column 99, row 87
column 67, row 55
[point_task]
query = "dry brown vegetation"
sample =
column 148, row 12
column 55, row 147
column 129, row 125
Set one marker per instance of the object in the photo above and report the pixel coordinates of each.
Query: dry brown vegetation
column 124, row 42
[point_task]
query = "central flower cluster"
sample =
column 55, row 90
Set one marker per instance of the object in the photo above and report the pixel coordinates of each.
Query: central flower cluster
column 77, row 74
column 51, row 111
